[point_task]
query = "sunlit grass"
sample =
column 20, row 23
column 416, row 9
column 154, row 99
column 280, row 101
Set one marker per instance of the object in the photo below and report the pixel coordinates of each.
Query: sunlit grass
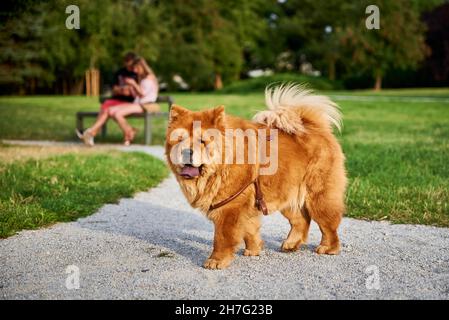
column 43, row 190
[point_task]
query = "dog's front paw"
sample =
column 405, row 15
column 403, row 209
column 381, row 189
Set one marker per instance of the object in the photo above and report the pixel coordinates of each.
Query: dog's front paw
column 251, row 253
column 322, row 249
column 217, row 264
column 253, row 249
column 290, row 246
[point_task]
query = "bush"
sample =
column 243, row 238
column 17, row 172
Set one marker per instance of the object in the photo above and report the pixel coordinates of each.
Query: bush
column 258, row 84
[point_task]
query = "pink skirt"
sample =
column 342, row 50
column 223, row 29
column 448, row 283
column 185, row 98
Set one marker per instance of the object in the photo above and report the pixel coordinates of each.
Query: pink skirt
column 111, row 103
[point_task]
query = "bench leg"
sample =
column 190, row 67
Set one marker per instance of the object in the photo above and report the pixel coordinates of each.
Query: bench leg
column 79, row 123
column 147, row 128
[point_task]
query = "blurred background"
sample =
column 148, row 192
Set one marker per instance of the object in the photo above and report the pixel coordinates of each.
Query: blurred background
column 205, row 45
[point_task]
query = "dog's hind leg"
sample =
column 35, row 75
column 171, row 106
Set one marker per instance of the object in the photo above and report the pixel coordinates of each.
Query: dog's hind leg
column 327, row 213
column 299, row 222
column 253, row 241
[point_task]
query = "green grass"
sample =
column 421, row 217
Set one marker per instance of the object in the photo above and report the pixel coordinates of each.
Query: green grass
column 397, row 159
column 39, row 192
column 397, row 152
column 408, row 92
column 254, row 85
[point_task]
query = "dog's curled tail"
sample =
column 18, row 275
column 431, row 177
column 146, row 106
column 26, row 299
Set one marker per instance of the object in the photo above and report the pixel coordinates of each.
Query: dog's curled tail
column 293, row 108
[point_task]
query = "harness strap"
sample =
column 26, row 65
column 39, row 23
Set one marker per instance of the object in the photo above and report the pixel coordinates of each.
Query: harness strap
column 260, row 202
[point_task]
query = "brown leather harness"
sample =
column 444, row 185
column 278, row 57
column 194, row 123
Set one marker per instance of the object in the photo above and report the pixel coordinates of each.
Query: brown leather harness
column 260, row 202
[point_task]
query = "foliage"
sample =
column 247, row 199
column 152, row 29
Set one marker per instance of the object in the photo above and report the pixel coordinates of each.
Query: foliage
column 398, row 43
column 207, row 39
column 39, row 192
column 204, row 41
column 23, row 56
column 43, row 49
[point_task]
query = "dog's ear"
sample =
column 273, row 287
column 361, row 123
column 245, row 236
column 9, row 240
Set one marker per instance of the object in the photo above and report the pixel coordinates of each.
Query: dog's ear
column 176, row 112
column 218, row 116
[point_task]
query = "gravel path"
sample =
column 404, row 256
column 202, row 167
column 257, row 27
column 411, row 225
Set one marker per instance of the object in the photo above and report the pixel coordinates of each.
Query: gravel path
column 152, row 247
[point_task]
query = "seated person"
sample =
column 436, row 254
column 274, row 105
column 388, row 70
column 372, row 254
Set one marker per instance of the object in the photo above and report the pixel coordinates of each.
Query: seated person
column 121, row 93
column 146, row 89
column 120, row 89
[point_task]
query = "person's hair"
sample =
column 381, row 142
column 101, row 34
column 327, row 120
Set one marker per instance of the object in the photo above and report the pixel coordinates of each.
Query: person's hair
column 130, row 56
column 147, row 70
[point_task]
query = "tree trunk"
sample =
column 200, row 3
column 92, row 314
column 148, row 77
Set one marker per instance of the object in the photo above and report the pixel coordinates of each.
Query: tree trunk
column 378, row 83
column 218, row 84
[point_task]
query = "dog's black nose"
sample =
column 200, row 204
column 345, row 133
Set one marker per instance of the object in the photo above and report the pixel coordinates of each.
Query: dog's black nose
column 187, row 156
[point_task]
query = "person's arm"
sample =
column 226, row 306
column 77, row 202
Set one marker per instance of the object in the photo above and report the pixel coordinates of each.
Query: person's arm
column 118, row 86
column 149, row 87
column 140, row 90
column 117, row 90
column 121, row 90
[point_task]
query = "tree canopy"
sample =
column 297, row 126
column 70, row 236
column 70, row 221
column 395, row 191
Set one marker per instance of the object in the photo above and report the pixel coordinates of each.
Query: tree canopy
column 208, row 43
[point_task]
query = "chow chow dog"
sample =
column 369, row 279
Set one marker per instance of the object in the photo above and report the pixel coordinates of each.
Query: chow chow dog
column 308, row 181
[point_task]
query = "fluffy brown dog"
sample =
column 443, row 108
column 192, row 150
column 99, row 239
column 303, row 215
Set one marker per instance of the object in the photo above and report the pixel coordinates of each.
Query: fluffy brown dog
column 308, row 182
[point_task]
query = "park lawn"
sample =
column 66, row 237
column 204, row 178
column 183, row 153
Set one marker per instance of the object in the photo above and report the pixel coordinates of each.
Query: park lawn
column 405, row 92
column 42, row 186
column 397, row 151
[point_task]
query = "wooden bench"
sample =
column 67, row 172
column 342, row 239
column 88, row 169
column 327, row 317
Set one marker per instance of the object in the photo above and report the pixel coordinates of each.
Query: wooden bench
column 147, row 116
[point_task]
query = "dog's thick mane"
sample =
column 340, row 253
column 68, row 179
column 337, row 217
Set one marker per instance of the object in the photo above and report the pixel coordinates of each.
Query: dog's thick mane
column 201, row 192
column 293, row 108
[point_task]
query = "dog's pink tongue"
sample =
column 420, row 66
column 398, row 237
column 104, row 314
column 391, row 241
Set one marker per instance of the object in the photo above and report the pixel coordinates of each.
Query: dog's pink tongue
column 190, row 172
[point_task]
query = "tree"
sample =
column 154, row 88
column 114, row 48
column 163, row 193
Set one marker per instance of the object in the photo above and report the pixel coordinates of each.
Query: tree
column 399, row 43
column 209, row 43
column 209, row 40
column 38, row 50
column 23, row 60
column 305, row 30
column 206, row 42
